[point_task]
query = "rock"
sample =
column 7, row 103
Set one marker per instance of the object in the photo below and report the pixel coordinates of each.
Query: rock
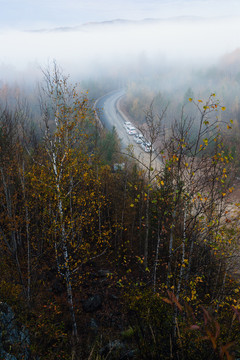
column 14, row 338
column 93, row 303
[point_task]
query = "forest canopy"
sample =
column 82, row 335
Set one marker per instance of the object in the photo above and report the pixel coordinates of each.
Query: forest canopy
column 105, row 263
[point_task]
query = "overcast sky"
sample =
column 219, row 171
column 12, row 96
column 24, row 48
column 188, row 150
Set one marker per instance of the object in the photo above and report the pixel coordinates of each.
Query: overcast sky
column 30, row 14
column 92, row 49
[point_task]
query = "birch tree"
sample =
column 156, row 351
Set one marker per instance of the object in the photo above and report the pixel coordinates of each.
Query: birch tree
column 65, row 183
column 197, row 167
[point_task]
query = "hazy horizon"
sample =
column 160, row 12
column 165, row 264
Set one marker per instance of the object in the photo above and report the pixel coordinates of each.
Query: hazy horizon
column 29, row 15
column 206, row 31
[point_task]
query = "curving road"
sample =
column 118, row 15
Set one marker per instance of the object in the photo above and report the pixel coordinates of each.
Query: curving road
column 110, row 115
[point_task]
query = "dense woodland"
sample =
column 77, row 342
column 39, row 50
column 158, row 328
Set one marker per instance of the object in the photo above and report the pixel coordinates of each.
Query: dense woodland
column 99, row 263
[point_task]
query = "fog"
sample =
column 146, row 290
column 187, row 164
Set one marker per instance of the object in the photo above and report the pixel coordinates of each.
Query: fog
column 28, row 14
column 86, row 50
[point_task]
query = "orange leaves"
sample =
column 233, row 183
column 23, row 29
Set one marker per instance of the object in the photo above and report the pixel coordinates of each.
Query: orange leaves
column 172, row 299
column 237, row 314
column 224, row 351
column 211, row 332
column 206, row 107
column 175, row 158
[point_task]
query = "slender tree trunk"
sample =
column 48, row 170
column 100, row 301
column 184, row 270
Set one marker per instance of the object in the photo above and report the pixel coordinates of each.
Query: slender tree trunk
column 190, row 260
column 123, row 209
column 146, row 242
column 27, row 221
column 180, row 274
column 170, row 250
column 67, row 276
column 156, row 259
column 67, row 273
column 183, row 255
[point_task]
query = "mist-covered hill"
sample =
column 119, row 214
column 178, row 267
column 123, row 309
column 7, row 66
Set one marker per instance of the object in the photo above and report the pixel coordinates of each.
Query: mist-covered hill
column 96, row 49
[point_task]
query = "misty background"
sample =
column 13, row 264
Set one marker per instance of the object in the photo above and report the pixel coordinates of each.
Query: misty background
column 87, row 49
column 169, row 47
column 85, row 38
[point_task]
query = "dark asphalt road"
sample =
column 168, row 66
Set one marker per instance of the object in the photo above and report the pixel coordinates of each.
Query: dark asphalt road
column 109, row 115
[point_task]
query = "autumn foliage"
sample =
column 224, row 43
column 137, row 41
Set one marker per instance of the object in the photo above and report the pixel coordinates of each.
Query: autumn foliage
column 158, row 248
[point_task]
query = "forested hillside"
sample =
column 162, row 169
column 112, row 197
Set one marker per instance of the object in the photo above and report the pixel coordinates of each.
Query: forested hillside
column 133, row 263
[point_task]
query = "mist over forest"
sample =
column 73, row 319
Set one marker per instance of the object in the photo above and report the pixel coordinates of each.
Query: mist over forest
column 148, row 58
column 168, row 55
column 148, row 46
column 119, row 183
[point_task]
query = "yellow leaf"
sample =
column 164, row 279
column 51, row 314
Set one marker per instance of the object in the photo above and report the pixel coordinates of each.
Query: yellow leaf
column 190, row 99
column 223, row 108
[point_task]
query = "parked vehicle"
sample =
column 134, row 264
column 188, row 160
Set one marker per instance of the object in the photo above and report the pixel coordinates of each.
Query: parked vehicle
column 145, row 147
column 138, row 138
column 127, row 124
column 131, row 130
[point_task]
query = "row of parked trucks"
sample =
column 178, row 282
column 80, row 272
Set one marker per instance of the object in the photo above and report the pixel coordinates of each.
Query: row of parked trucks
column 137, row 137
